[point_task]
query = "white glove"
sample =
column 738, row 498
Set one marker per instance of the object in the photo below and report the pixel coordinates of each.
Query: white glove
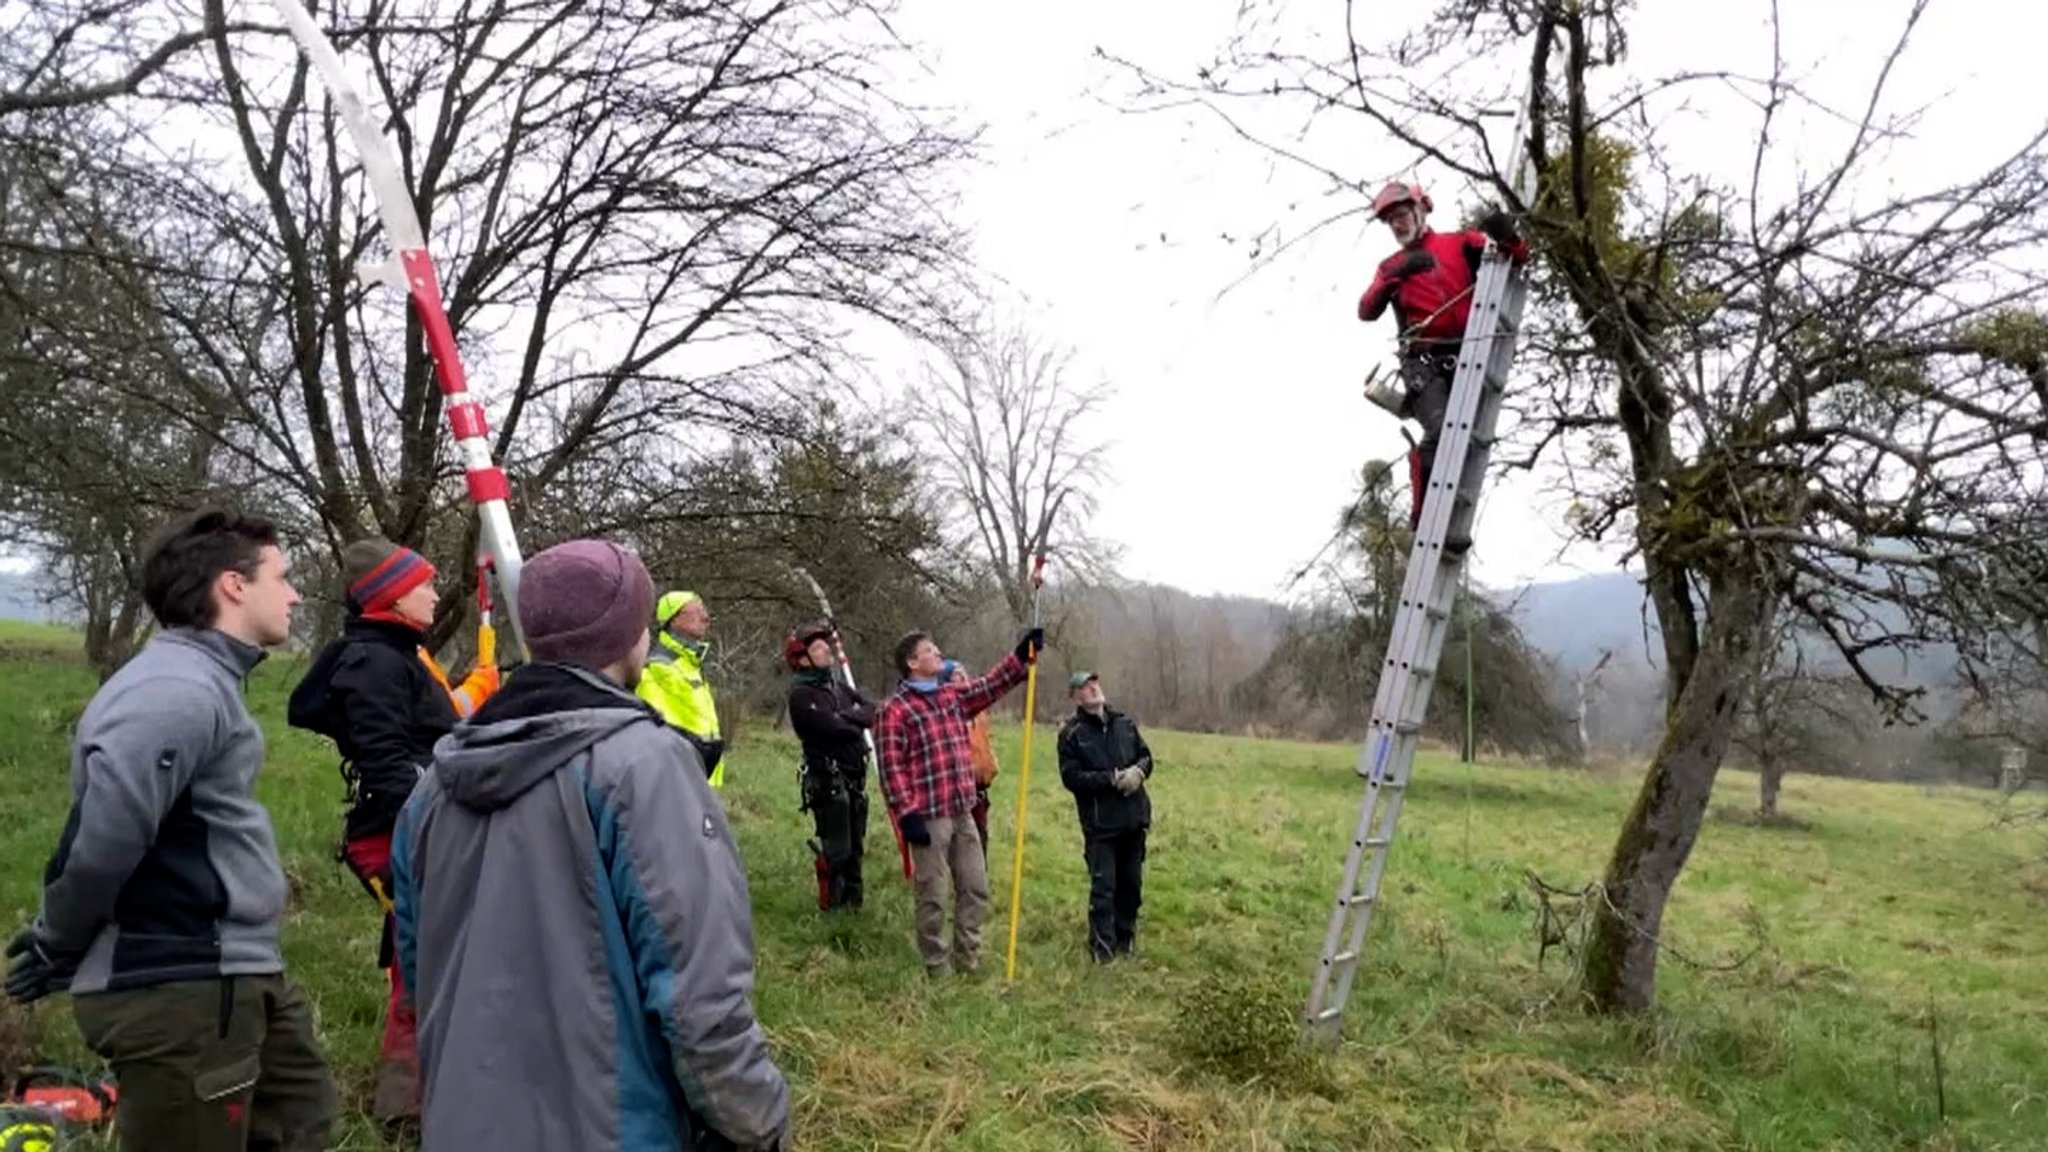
column 1129, row 779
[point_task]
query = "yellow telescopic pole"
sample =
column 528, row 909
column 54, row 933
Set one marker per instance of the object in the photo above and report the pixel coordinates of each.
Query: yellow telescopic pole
column 1024, row 777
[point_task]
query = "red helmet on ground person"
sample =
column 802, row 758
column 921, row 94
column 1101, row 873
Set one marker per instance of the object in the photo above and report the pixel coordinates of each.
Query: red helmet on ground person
column 796, row 649
column 1396, row 194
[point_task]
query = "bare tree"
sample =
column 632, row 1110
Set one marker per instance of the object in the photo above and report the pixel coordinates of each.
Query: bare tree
column 1017, row 456
column 1799, row 713
column 1222, row 664
column 1802, row 397
column 2006, row 706
column 1584, row 685
column 61, row 54
column 88, row 466
column 653, row 226
column 1164, row 650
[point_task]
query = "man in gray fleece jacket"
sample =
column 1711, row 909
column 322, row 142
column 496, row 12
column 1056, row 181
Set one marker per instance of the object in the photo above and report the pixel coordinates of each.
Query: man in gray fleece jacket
column 162, row 903
column 571, row 914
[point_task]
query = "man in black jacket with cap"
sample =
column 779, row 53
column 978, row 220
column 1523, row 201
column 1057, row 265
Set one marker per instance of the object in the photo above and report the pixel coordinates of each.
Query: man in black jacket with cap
column 1105, row 763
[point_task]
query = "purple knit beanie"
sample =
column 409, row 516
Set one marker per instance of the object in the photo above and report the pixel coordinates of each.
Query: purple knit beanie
column 584, row 602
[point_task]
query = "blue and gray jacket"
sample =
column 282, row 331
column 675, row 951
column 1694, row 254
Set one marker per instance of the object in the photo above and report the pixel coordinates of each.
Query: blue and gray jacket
column 573, row 924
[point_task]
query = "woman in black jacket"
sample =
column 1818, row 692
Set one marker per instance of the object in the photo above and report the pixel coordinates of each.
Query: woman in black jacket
column 378, row 694
column 831, row 720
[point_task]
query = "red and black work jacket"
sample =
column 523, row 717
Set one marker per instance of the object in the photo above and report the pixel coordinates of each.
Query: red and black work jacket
column 1431, row 306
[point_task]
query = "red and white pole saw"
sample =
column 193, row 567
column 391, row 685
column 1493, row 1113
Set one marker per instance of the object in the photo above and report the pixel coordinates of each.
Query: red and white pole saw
column 411, row 270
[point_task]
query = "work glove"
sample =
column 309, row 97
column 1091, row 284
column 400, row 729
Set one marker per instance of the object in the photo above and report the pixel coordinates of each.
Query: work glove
column 1417, row 261
column 1129, row 780
column 914, row 829
column 487, row 675
column 1031, row 645
column 1499, row 228
column 32, row 973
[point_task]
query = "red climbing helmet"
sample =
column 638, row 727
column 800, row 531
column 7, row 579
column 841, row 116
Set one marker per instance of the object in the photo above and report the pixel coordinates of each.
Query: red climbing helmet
column 798, row 645
column 1396, row 194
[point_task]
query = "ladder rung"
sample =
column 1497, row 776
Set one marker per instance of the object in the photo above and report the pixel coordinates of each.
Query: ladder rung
column 1423, row 671
column 1371, row 842
column 1357, row 898
column 1330, row 1013
column 1407, row 727
column 1342, row 959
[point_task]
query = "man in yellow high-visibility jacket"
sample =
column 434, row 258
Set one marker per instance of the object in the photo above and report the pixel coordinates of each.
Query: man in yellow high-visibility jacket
column 674, row 682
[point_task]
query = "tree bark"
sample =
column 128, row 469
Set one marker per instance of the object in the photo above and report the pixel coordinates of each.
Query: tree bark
column 113, row 629
column 1620, row 973
column 1771, row 776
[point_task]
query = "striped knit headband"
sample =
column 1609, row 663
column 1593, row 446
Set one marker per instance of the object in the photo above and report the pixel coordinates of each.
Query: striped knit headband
column 387, row 583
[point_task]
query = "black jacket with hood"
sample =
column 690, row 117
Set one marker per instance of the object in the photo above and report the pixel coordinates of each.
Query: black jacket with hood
column 368, row 691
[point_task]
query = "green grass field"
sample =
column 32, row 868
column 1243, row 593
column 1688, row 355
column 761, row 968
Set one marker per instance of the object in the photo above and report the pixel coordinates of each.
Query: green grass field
column 1891, row 920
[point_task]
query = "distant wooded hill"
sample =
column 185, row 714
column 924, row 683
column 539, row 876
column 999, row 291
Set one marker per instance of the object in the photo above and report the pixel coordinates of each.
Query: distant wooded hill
column 1180, row 660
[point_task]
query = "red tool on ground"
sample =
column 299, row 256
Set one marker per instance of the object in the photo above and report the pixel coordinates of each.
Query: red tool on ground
column 45, row 1103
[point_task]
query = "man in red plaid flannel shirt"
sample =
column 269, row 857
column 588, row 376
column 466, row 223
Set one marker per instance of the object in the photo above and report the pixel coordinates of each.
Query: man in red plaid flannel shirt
column 927, row 775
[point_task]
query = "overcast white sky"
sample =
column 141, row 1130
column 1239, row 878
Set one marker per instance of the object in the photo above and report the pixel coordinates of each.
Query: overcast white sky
column 1236, row 425
column 1243, row 415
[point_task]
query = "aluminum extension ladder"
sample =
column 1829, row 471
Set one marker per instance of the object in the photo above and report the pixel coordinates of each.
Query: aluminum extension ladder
column 1428, row 595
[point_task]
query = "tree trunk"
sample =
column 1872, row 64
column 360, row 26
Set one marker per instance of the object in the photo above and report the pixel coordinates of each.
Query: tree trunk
column 1585, row 740
column 1771, row 775
column 1620, row 973
column 113, row 612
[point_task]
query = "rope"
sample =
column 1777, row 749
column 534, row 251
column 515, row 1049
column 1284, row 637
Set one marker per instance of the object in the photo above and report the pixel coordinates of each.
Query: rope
column 1565, row 928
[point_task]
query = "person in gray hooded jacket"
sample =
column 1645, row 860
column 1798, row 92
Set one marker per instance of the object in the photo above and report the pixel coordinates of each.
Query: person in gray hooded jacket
column 571, row 913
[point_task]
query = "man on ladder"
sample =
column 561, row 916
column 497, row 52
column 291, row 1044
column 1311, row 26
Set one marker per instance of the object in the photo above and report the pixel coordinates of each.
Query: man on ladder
column 1429, row 283
column 1441, row 286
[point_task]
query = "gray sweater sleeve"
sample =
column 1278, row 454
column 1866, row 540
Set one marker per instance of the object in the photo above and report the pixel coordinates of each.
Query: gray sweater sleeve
column 134, row 758
column 677, row 875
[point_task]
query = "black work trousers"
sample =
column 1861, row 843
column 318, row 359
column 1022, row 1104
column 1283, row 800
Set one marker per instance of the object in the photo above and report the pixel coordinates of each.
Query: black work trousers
column 1116, row 880
column 838, row 803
